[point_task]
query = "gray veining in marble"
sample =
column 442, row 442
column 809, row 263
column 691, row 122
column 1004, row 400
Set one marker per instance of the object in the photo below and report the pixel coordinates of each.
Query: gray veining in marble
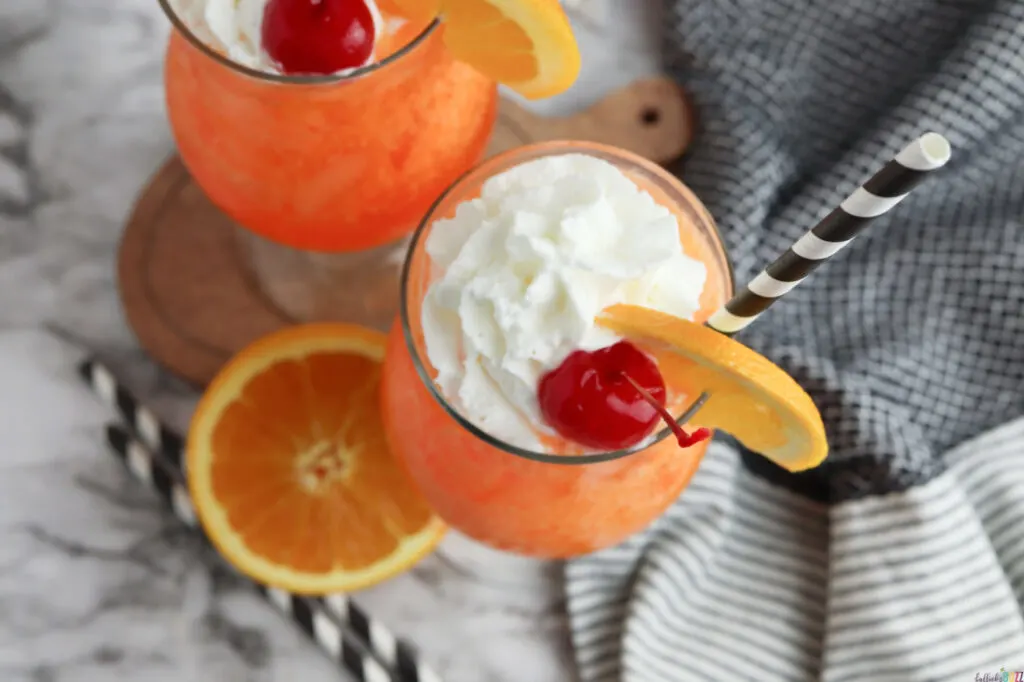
column 96, row 581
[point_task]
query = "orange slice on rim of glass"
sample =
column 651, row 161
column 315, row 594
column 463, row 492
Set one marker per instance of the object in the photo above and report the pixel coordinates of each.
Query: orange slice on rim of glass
column 752, row 399
column 289, row 470
column 527, row 45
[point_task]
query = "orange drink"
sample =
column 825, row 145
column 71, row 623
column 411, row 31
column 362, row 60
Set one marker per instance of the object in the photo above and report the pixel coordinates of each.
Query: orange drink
column 328, row 163
column 543, row 496
column 325, row 128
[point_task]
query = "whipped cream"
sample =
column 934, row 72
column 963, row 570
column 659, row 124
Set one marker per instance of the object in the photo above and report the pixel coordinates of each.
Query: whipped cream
column 234, row 27
column 523, row 270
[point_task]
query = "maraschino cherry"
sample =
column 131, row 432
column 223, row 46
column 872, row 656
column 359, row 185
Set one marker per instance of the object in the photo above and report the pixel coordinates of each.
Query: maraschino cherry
column 608, row 399
column 318, row 36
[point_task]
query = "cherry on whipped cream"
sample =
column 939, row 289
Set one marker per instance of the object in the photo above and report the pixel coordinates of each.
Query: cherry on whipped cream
column 608, row 399
column 318, row 36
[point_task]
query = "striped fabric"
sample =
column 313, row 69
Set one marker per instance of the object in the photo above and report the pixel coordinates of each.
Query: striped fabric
column 901, row 558
column 745, row 580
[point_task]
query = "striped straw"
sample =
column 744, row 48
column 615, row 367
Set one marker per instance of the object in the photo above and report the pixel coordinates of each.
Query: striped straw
column 875, row 198
column 154, row 435
column 362, row 644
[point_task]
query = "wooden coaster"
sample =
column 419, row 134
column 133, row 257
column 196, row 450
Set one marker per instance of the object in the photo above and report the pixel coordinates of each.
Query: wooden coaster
column 188, row 294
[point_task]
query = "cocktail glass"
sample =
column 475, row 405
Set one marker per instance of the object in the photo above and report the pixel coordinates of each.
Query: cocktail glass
column 533, row 503
column 328, row 175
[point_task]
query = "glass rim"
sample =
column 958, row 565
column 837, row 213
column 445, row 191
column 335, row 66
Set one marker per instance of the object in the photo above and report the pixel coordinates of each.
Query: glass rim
column 545, row 149
column 308, row 79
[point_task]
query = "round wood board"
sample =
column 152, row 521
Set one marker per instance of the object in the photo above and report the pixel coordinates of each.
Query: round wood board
column 188, row 294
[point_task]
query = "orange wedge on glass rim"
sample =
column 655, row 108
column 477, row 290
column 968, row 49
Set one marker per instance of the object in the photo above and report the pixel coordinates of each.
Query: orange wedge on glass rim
column 527, row 45
column 752, row 399
column 289, row 470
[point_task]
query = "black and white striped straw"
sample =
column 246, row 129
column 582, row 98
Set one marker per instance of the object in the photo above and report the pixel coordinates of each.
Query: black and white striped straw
column 397, row 654
column 142, row 421
column 152, row 451
column 874, row 198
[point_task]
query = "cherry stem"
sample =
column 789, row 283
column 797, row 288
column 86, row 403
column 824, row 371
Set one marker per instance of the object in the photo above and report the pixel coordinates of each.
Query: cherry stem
column 685, row 439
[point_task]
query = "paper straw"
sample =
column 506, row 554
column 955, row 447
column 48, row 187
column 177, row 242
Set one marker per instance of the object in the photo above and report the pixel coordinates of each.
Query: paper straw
column 396, row 653
column 152, row 455
column 876, row 197
column 141, row 419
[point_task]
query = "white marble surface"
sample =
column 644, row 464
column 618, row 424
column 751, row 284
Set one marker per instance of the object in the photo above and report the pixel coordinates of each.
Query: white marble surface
column 96, row 582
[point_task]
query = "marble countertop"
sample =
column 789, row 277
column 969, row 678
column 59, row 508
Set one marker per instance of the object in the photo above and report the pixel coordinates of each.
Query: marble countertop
column 96, row 581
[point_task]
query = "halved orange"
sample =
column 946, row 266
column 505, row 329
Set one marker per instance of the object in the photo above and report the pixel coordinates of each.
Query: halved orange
column 527, row 45
column 752, row 398
column 289, row 469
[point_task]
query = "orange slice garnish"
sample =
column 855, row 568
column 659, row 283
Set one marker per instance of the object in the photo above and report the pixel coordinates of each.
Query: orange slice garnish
column 752, row 398
column 527, row 45
column 289, row 468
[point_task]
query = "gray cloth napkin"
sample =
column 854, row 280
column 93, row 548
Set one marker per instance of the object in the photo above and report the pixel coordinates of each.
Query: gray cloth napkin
column 902, row 558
